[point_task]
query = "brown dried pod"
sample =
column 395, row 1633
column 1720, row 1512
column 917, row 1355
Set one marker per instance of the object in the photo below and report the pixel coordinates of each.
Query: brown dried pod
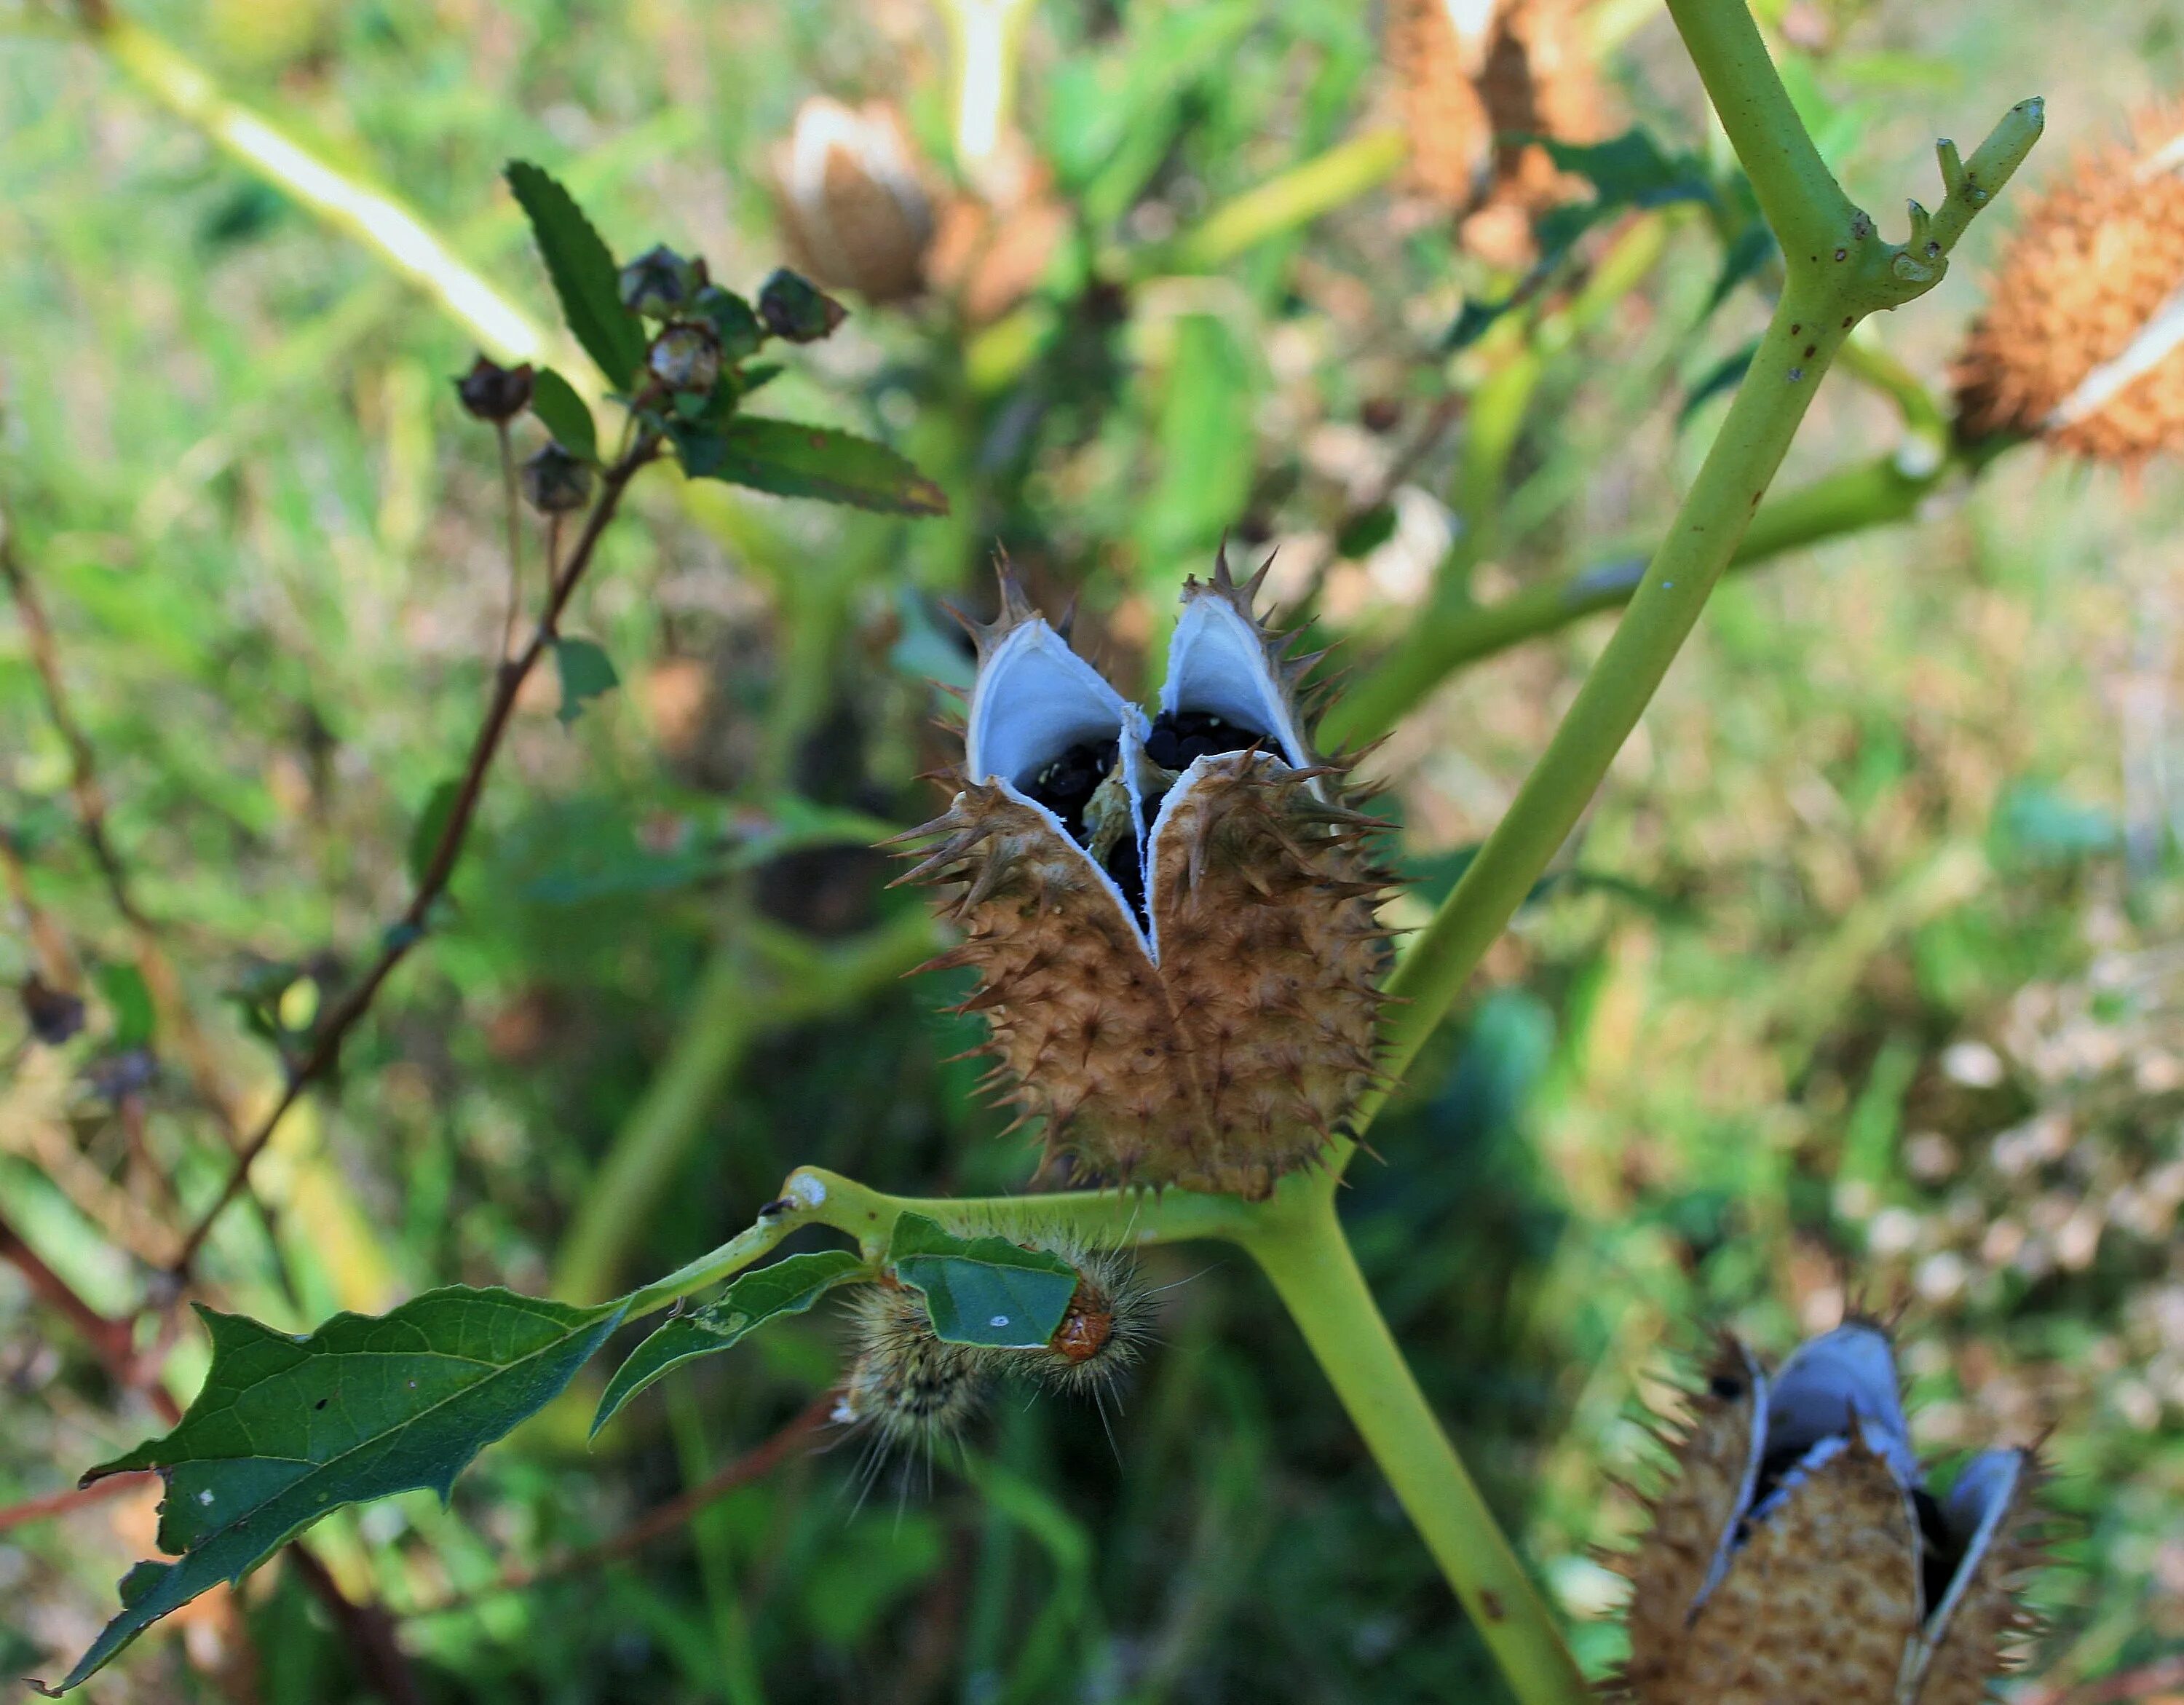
column 1474, row 79
column 2081, row 342
column 1797, row 1558
column 1172, row 917
column 851, row 193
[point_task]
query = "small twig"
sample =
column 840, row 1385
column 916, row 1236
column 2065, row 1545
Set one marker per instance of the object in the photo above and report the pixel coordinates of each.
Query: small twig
column 89, row 797
column 110, row 1340
column 754, row 1464
column 513, row 506
column 56, row 1504
column 367, row 1628
column 410, row 928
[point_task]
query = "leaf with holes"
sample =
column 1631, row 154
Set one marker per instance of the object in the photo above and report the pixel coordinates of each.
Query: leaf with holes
column 983, row 1290
column 583, row 272
column 288, row 1428
column 789, row 1286
column 793, row 460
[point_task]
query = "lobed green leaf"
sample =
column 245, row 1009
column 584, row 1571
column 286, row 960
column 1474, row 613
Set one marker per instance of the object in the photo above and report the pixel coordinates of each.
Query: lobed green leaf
column 985, row 1290
column 288, row 1428
column 788, row 1286
column 586, row 672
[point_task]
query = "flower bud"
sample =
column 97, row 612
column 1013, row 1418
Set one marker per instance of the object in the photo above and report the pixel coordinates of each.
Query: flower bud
column 853, row 209
column 555, row 482
column 1172, row 916
column 490, row 392
column 660, row 283
column 735, row 325
column 792, row 307
column 685, row 357
column 1797, row 1556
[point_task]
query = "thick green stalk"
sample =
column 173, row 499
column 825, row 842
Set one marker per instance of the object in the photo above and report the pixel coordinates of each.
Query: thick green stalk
column 1838, row 270
column 1308, row 1261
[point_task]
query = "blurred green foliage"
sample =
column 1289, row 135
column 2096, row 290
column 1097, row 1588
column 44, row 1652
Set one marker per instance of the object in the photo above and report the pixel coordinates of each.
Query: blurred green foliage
column 1863, row 980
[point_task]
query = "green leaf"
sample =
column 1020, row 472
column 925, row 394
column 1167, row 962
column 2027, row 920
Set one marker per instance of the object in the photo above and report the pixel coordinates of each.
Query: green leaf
column 789, row 1286
column 431, row 824
column 583, row 274
column 982, row 1291
column 562, row 412
column 123, row 986
column 793, row 460
column 1631, row 169
column 288, row 1428
column 586, row 672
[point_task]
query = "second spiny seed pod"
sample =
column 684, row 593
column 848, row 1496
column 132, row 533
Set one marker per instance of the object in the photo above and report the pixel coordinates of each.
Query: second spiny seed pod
column 1797, row 1558
column 1172, row 917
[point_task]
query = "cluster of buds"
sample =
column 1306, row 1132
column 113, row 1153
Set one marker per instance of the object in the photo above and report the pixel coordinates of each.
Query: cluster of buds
column 1172, row 917
column 2082, row 342
column 1474, row 80
column 1797, row 1556
column 702, row 329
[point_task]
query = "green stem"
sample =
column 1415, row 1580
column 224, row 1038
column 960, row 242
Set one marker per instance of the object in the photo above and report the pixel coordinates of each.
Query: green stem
column 1308, row 1261
column 1838, row 270
column 1284, row 202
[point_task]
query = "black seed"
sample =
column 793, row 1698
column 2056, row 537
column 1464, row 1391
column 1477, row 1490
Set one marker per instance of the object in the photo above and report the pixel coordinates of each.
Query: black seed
column 1065, row 786
column 1723, row 1387
column 1940, row 1552
column 1179, row 736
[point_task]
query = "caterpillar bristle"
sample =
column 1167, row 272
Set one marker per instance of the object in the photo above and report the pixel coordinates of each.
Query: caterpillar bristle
column 905, row 1385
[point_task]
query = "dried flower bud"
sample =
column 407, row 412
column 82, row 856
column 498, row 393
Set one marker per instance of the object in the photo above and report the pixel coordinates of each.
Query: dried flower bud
column 735, row 324
column 554, row 482
column 1798, row 1558
column 2082, row 339
column 1172, row 917
column 660, row 283
column 794, row 308
column 685, row 357
column 490, row 392
column 54, row 1014
column 853, row 209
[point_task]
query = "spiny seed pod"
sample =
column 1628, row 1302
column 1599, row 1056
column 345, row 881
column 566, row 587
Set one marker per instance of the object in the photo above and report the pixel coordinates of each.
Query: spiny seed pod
column 1172, row 917
column 1436, row 66
column 2081, row 340
column 1797, row 1558
column 908, row 1387
column 853, row 209
column 555, row 482
column 490, row 392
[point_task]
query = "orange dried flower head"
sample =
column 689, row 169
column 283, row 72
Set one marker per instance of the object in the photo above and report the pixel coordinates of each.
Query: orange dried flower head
column 1797, row 1556
column 2081, row 342
column 1172, row 917
column 851, row 192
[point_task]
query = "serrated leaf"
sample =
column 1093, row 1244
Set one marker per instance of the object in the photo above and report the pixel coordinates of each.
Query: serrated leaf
column 562, row 412
column 1631, row 169
column 789, row 1286
column 983, row 1290
column 586, row 672
column 433, row 823
column 288, row 1428
column 583, row 272
column 793, row 460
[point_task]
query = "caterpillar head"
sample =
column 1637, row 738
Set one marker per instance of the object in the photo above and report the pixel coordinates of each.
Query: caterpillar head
column 1173, row 915
column 1797, row 1556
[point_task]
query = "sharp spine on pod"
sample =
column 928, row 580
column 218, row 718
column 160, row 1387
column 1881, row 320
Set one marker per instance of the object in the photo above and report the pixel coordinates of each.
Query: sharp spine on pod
column 1173, row 916
column 1797, row 1558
